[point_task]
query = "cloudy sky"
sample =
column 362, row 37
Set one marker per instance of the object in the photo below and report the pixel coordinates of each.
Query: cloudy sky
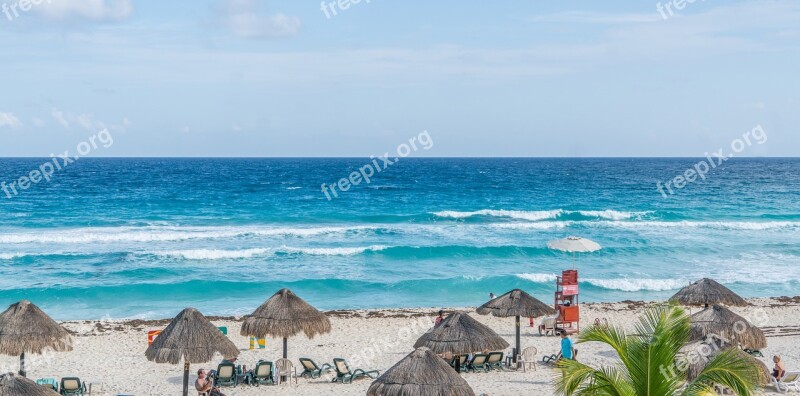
column 512, row 78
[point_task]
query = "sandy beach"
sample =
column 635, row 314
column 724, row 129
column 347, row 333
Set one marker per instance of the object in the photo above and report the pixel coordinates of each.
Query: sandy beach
column 110, row 354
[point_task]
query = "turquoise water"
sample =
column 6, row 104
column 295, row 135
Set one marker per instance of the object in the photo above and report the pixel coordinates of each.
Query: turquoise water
column 147, row 237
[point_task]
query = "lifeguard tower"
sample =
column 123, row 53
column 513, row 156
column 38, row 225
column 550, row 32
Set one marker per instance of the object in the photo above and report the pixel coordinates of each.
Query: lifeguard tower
column 566, row 302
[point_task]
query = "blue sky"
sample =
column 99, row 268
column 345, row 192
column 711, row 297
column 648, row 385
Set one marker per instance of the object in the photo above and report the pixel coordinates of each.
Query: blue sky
column 512, row 78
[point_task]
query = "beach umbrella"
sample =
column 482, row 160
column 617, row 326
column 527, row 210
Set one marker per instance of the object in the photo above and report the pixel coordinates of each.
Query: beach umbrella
column 420, row 373
column 460, row 334
column 705, row 351
column 12, row 385
column 283, row 316
column 573, row 244
column 516, row 303
column 707, row 291
column 732, row 328
column 24, row 328
column 192, row 338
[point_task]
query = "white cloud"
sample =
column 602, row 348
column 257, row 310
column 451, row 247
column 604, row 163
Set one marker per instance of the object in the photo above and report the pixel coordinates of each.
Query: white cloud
column 8, row 119
column 88, row 122
column 59, row 116
column 244, row 19
column 597, row 18
column 94, row 10
column 186, row 129
column 38, row 122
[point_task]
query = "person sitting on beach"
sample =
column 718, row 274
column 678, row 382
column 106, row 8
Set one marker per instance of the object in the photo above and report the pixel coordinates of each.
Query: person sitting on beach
column 566, row 346
column 779, row 371
column 439, row 319
column 205, row 386
column 491, row 296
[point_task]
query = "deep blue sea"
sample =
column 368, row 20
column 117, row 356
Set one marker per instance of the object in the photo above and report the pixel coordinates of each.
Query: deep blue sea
column 126, row 238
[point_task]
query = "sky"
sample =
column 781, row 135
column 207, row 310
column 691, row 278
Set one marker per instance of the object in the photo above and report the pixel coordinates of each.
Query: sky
column 249, row 78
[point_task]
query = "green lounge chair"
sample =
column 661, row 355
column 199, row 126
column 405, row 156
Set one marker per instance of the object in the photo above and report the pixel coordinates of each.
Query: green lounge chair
column 262, row 374
column 49, row 383
column 311, row 369
column 462, row 361
column 495, row 361
column 345, row 375
column 72, row 386
column 478, row 362
column 226, row 375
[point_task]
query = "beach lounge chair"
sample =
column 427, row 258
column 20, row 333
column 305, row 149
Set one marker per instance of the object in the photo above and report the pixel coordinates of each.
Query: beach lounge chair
column 311, row 369
column 49, row 383
column 72, row 386
column 262, row 374
column 285, row 368
column 753, row 352
column 528, row 358
column 478, row 362
column 226, row 375
column 345, row 375
column 551, row 359
column 462, row 361
column 495, row 361
column 790, row 380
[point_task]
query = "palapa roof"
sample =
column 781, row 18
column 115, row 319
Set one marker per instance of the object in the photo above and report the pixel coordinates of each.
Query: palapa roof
column 708, row 291
column 516, row 303
column 459, row 333
column 285, row 315
column 191, row 337
column 697, row 364
column 14, row 385
column 420, row 373
column 728, row 326
column 24, row 328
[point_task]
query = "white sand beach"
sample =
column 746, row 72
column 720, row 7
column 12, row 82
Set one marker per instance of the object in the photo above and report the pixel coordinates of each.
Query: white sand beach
column 110, row 354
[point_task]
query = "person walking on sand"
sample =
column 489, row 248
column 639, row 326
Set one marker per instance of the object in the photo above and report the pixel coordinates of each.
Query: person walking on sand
column 566, row 346
column 439, row 319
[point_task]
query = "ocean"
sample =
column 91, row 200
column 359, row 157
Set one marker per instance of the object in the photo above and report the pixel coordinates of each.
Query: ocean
column 144, row 238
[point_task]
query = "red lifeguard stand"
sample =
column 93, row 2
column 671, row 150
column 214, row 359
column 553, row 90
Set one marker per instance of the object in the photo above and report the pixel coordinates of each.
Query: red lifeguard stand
column 566, row 301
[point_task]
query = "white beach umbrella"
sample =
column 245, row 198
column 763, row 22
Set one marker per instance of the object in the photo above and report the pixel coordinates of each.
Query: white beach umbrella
column 574, row 245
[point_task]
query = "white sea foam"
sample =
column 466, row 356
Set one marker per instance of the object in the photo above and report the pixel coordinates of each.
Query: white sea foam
column 611, row 214
column 164, row 234
column 721, row 225
column 537, row 278
column 540, row 225
column 213, row 254
column 514, row 214
column 220, row 254
column 11, row 256
column 540, row 215
column 633, row 284
column 333, row 251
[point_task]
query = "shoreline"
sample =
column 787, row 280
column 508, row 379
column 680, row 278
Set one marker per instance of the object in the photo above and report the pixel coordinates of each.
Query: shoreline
column 415, row 312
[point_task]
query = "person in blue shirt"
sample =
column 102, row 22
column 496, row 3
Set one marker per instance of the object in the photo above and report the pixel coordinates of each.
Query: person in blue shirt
column 566, row 346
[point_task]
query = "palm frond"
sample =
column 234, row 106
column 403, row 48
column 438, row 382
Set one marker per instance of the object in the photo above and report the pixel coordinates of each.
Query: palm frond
column 730, row 369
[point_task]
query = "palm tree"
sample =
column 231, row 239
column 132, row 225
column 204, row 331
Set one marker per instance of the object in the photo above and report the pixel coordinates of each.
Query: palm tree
column 648, row 362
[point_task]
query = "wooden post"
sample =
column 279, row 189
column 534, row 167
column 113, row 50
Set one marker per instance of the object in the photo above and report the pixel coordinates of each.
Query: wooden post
column 22, row 372
column 516, row 351
column 186, row 379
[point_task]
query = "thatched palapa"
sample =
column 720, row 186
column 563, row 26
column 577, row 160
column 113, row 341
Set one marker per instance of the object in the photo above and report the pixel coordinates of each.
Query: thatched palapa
column 516, row 303
column 705, row 351
column 730, row 327
column 285, row 315
column 707, row 292
column 460, row 334
column 192, row 338
column 420, row 373
column 13, row 385
column 24, row 328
